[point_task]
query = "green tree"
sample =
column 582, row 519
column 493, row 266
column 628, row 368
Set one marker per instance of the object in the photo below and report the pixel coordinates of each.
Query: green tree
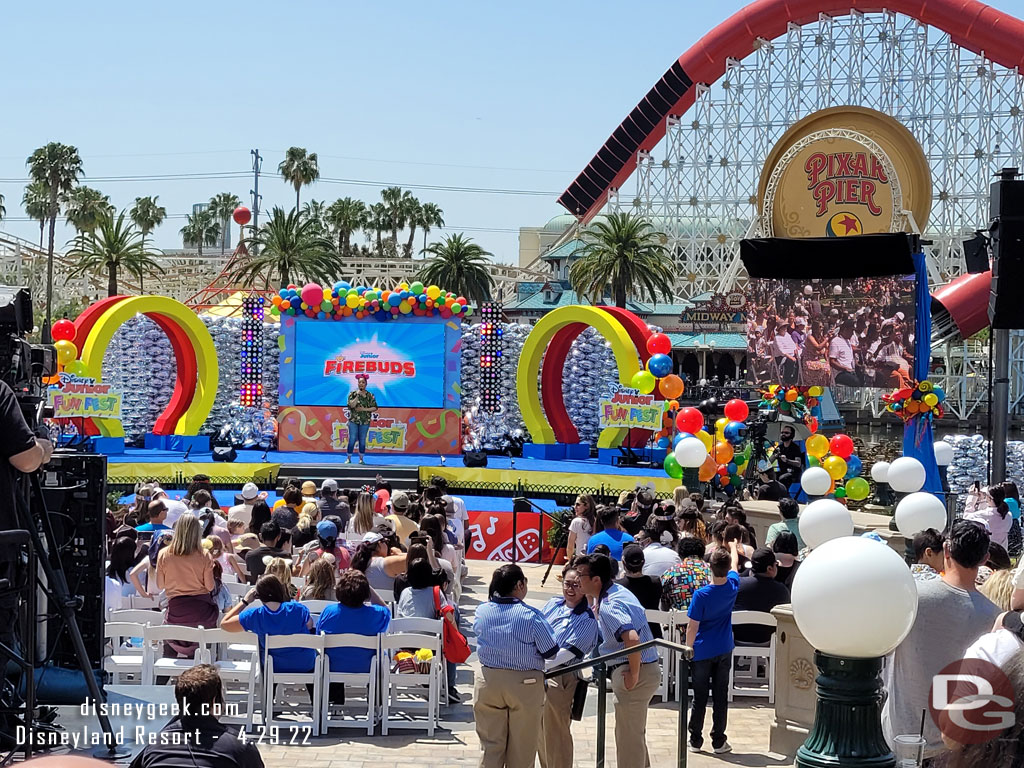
column 344, row 217
column 426, row 216
column 398, row 203
column 201, row 228
column 299, row 169
column 223, row 205
column 459, row 265
column 147, row 215
column 622, row 254
column 113, row 244
column 316, row 211
column 379, row 221
column 36, row 202
column 3, row 211
column 289, row 246
column 57, row 167
column 83, row 207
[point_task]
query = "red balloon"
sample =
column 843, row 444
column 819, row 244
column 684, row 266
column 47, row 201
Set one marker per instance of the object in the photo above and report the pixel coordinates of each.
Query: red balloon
column 689, row 420
column 841, row 446
column 736, row 410
column 242, row 215
column 63, row 330
column 659, row 344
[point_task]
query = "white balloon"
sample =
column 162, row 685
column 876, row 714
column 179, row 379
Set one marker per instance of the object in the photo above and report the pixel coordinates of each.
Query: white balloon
column 808, row 290
column 943, row 453
column 906, row 475
column 824, row 520
column 837, row 289
column 880, row 471
column 690, row 452
column 917, row 511
column 874, row 587
column 815, row 481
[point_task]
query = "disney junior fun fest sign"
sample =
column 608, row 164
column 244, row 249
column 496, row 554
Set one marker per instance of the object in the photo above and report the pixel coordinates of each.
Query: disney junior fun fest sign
column 842, row 172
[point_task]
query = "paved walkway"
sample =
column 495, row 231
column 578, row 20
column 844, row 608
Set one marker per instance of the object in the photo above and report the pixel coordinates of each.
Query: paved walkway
column 455, row 743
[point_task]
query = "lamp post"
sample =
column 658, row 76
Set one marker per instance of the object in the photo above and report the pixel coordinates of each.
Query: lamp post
column 850, row 644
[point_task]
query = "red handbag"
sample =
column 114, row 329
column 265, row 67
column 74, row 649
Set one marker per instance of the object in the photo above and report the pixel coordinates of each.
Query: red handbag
column 455, row 645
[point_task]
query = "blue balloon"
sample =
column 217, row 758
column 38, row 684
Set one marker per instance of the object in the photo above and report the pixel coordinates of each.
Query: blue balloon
column 283, row 293
column 937, row 391
column 679, row 438
column 660, row 366
column 853, row 467
column 663, row 442
column 735, row 432
column 341, row 285
column 731, row 467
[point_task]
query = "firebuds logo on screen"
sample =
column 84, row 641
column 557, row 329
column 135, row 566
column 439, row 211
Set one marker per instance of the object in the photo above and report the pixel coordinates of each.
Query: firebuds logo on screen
column 972, row 701
column 368, row 363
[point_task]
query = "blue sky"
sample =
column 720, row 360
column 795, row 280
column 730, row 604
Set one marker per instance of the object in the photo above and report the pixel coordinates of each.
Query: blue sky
column 513, row 96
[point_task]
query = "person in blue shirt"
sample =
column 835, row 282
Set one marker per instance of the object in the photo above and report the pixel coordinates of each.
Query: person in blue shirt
column 635, row 677
column 709, row 633
column 513, row 640
column 157, row 514
column 576, row 633
column 352, row 615
column 612, row 536
column 277, row 616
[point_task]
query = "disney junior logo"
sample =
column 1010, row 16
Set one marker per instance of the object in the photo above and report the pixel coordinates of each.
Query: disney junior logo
column 972, row 701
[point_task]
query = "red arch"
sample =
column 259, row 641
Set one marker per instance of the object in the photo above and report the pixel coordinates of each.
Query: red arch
column 969, row 23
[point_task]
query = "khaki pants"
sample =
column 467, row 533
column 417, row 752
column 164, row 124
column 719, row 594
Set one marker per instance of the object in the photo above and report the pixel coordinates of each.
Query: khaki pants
column 555, row 738
column 631, row 714
column 507, row 707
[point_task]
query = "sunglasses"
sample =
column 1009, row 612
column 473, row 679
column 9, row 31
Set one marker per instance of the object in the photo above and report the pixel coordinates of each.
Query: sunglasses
column 573, row 585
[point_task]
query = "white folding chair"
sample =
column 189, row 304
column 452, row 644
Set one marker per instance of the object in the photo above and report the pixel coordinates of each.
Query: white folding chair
column 124, row 659
column 236, row 589
column 677, row 626
column 218, row 643
column 142, row 603
column 403, row 691
column 387, row 595
column 316, row 607
column 353, row 681
column 155, row 664
column 754, row 652
column 138, row 616
column 664, row 618
column 298, row 582
column 272, row 678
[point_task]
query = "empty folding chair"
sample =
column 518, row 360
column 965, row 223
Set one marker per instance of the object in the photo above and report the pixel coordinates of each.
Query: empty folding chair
column 353, row 681
column 754, row 652
column 664, row 619
column 273, row 678
column 125, row 658
column 403, row 691
column 247, row 671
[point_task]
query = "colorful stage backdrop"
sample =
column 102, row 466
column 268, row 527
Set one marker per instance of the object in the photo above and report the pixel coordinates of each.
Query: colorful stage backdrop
column 413, row 366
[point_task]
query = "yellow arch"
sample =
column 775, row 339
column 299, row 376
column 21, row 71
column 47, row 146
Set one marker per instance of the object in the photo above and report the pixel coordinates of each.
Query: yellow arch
column 626, row 358
column 103, row 331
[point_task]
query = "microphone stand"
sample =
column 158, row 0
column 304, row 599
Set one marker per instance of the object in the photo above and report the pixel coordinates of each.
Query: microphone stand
column 187, row 452
column 560, row 543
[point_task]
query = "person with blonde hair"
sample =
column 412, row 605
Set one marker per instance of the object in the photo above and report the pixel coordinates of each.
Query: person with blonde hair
column 680, row 494
column 282, row 570
column 185, row 573
column 229, row 562
column 999, row 588
column 310, row 510
column 365, row 520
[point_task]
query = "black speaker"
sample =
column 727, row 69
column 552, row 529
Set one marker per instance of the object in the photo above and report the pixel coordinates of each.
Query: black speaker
column 75, row 491
column 474, row 459
column 224, row 453
column 1005, row 310
column 976, row 254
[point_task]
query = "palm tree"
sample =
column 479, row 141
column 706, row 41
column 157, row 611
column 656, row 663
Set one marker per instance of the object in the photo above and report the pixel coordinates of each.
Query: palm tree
column 459, row 265
column 147, row 215
column 289, row 246
column 379, row 220
column 111, row 245
column 412, row 210
column 222, row 205
column 299, row 169
column 621, row 253
column 36, row 204
column 344, row 217
column 398, row 203
column 3, row 211
column 201, row 228
column 428, row 215
column 57, row 167
column 83, row 207
column 316, row 210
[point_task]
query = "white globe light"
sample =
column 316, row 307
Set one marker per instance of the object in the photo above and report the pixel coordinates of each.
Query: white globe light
column 690, row 452
column 943, row 453
column 837, row 289
column 880, row 471
column 808, row 290
column 815, row 481
column 871, row 583
column 824, row 520
column 917, row 511
column 906, row 475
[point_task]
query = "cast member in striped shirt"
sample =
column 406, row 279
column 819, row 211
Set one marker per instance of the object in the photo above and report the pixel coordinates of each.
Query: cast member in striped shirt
column 513, row 640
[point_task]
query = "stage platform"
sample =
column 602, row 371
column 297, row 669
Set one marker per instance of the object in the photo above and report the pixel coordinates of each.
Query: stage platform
column 552, row 476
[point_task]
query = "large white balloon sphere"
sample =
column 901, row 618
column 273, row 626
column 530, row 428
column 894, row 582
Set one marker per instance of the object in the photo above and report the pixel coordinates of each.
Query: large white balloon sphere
column 837, row 290
column 808, row 290
column 854, row 597
column 917, row 511
column 690, row 452
column 815, row 481
column 943, row 453
column 824, row 520
column 906, row 475
column 880, row 471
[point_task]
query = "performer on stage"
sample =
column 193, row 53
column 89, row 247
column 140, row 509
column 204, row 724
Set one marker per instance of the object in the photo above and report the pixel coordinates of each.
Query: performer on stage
column 790, row 457
column 361, row 405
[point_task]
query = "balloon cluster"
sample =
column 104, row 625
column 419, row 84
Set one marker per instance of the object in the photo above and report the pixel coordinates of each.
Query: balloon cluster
column 921, row 399
column 658, row 370
column 720, row 456
column 831, row 462
column 793, row 401
column 63, row 333
column 343, row 300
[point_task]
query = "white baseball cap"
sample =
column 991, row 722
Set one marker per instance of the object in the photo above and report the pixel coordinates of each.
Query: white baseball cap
column 250, row 491
column 329, row 485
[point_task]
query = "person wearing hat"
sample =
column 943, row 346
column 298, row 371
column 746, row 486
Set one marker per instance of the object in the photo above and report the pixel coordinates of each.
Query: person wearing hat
column 404, row 526
column 760, row 591
column 309, row 492
column 646, row 589
column 377, row 560
column 361, row 406
column 327, row 540
column 331, row 503
column 243, row 511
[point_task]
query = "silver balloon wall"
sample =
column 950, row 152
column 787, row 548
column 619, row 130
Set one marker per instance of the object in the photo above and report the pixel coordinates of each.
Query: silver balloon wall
column 970, row 462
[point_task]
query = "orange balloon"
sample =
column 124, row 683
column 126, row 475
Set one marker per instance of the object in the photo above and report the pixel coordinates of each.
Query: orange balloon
column 707, row 470
column 671, row 386
column 791, row 395
column 673, row 405
column 723, row 453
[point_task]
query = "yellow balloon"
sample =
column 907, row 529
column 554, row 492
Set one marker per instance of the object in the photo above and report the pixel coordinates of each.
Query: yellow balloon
column 327, row 294
column 705, row 438
column 836, row 467
column 816, row 391
column 404, row 308
column 721, row 424
column 66, row 351
column 816, row 446
column 351, row 301
column 931, row 400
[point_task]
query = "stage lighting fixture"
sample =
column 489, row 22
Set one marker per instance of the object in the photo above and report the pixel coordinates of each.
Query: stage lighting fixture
column 490, row 355
column 251, row 363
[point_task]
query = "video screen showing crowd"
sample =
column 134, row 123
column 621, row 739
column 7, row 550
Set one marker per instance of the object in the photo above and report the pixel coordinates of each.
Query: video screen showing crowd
column 853, row 332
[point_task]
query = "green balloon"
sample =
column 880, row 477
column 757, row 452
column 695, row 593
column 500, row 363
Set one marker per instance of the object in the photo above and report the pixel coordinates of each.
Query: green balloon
column 416, row 288
column 840, row 493
column 672, row 467
column 643, row 382
column 858, row 489
column 735, row 481
column 326, row 306
column 813, row 461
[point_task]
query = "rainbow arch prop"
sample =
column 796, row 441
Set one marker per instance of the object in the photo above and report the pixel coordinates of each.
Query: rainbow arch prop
column 195, row 387
column 544, row 354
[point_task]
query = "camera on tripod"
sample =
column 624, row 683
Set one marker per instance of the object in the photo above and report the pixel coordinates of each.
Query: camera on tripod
column 23, row 366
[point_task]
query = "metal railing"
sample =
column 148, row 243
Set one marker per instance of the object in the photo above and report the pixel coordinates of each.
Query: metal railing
column 600, row 665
